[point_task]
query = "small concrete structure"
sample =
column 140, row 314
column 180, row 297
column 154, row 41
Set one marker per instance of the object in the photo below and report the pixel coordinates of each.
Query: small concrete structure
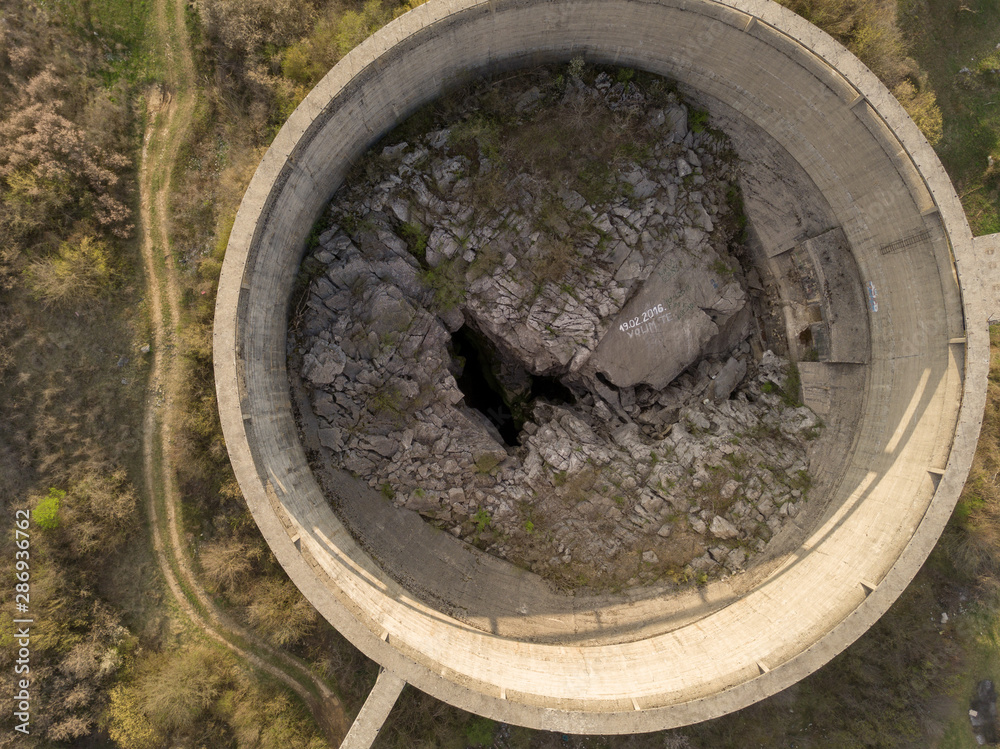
column 503, row 646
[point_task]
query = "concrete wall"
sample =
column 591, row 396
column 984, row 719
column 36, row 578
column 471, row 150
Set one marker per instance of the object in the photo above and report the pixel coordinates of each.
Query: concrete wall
column 924, row 393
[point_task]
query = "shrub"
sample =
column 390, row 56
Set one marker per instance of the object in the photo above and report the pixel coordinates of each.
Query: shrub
column 129, row 727
column 698, row 120
column 481, row 519
column 792, row 393
column 100, row 511
column 77, row 271
column 447, row 284
column 245, row 27
column 334, row 35
column 480, row 731
column 922, row 107
column 416, row 240
column 228, row 563
column 46, row 513
column 280, row 612
column 720, row 268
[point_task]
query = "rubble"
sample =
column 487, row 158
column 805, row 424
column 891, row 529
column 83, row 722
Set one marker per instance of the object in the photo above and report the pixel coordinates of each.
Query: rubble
column 633, row 425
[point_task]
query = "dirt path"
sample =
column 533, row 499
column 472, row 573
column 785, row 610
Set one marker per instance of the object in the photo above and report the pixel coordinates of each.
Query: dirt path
column 170, row 108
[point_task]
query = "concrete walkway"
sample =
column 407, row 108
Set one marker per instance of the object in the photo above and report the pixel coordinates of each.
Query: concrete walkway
column 374, row 712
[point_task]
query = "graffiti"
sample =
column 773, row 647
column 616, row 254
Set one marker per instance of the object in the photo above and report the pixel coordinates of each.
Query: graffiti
column 872, row 297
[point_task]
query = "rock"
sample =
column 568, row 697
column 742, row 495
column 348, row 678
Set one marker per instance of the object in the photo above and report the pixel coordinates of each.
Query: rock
column 702, row 563
column 677, row 315
column 719, row 553
column 439, row 138
column 452, row 319
column 392, row 152
column 766, row 508
column 644, row 331
column 729, row 489
column 644, row 189
column 421, row 502
column 726, row 381
column 722, row 528
column 527, row 99
column 983, row 713
column 441, row 245
column 696, row 419
column 651, row 504
column 676, row 118
column 384, row 446
column 323, row 363
column 357, row 464
column 330, row 438
column 144, row 349
column 771, row 368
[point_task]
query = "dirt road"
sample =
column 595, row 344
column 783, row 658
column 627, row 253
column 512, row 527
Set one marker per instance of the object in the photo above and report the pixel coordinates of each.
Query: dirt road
column 169, row 111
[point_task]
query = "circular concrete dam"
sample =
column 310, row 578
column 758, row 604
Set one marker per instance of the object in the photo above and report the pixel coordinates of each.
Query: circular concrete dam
column 907, row 344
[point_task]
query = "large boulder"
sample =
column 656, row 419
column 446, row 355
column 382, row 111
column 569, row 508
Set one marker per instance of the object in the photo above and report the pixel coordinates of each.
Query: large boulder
column 684, row 310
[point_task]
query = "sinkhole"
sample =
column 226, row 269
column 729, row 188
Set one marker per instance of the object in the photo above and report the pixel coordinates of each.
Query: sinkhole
column 500, row 388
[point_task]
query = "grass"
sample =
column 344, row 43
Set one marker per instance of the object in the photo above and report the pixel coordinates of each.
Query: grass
column 447, row 282
column 720, row 268
column 947, row 38
column 792, row 393
column 698, row 120
column 120, row 27
column 482, row 520
column 416, row 240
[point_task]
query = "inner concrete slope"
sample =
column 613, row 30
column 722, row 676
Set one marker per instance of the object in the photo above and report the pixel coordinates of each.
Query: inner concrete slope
column 889, row 494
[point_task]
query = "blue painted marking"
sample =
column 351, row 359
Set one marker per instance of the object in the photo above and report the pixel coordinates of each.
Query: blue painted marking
column 872, row 297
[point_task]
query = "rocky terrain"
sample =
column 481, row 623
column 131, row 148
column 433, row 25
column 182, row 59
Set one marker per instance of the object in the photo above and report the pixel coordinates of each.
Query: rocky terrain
column 530, row 327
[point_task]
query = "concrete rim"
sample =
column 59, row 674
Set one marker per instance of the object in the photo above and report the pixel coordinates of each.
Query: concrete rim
column 254, row 404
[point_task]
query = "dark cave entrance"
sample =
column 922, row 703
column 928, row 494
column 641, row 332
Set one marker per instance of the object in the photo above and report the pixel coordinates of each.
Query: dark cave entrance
column 484, row 391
